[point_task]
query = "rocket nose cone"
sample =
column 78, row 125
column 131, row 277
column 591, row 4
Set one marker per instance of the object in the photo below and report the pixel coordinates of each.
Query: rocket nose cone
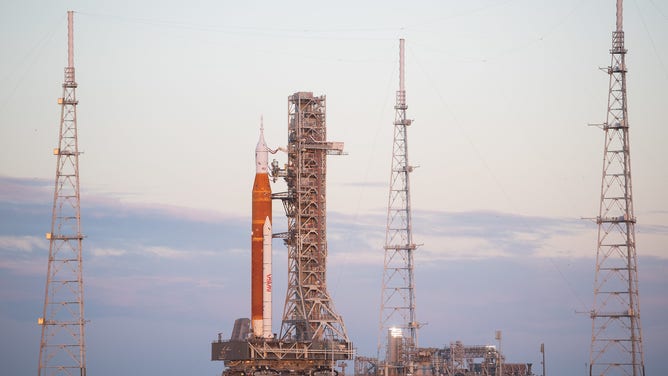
column 261, row 144
column 261, row 154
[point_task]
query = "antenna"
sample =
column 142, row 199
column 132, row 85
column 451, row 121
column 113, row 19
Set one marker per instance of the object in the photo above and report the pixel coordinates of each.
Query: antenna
column 70, row 39
column 62, row 346
column 620, row 16
column 401, row 68
column 616, row 340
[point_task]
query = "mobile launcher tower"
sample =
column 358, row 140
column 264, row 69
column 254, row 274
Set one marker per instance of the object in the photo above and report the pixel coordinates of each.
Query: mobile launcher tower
column 312, row 336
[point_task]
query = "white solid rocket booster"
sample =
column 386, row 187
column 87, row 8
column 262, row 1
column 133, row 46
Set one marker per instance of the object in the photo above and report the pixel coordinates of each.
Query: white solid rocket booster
column 266, row 279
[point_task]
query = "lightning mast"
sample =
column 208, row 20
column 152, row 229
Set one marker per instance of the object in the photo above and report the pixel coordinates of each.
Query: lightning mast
column 397, row 314
column 616, row 342
column 62, row 348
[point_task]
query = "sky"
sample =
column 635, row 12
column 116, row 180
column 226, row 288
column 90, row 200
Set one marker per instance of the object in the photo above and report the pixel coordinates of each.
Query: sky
column 170, row 100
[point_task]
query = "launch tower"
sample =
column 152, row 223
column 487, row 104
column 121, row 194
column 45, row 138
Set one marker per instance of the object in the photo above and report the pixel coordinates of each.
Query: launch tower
column 309, row 311
column 616, row 341
column 312, row 336
column 398, row 324
column 62, row 348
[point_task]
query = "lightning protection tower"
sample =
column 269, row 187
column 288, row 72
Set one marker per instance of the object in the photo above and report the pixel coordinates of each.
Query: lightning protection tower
column 62, row 348
column 398, row 323
column 616, row 341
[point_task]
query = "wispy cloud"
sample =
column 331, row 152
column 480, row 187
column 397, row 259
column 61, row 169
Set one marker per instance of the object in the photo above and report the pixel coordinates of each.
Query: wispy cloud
column 437, row 249
column 182, row 253
column 239, row 251
column 102, row 205
column 374, row 184
column 19, row 190
column 166, row 252
column 477, row 235
column 140, row 292
column 24, row 266
column 10, row 243
column 356, row 256
column 482, row 234
column 108, row 252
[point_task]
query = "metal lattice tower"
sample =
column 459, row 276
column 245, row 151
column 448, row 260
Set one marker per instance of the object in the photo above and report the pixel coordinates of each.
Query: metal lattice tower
column 62, row 348
column 398, row 289
column 309, row 313
column 616, row 342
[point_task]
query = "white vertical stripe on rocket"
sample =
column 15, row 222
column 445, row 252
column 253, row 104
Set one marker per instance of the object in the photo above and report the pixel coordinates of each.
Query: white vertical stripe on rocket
column 266, row 279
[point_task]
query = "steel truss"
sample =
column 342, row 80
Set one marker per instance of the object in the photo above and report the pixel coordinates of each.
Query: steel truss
column 309, row 313
column 398, row 289
column 616, row 342
column 62, row 344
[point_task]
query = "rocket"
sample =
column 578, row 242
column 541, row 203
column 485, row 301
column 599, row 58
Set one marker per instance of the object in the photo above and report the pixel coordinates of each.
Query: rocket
column 261, row 243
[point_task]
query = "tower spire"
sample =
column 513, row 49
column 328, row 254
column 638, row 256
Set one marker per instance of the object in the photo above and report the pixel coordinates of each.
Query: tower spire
column 620, row 16
column 398, row 324
column 62, row 347
column 616, row 341
column 70, row 39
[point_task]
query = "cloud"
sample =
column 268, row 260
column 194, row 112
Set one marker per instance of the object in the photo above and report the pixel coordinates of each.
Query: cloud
column 240, row 251
column 457, row 248
column 373, row 184
column 472, row 235
column 154, row 265
column 166, row 252
column 134, row 293
column 476, row 235
column 356, row 256
column 24, row 266
column 22, row 243
column 575, row 244
column 174, row 253
column 99, row 205
column 482, row 234
column 108, row 252
column 19, row 190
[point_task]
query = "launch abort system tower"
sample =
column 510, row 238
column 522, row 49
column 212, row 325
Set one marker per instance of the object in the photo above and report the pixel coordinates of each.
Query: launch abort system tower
column 62, row 348
column 616, row 341
column 312, row 336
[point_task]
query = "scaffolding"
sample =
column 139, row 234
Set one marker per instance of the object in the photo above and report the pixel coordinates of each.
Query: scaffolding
column 309, row 311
